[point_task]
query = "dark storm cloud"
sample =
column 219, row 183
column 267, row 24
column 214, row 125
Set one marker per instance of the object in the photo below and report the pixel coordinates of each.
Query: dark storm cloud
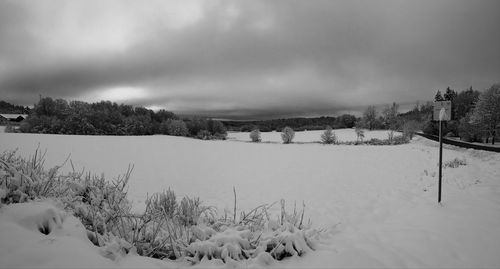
column 255, row 58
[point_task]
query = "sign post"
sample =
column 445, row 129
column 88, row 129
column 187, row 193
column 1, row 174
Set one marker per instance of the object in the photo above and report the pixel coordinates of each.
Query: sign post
column 440, row 157
column 442, row 112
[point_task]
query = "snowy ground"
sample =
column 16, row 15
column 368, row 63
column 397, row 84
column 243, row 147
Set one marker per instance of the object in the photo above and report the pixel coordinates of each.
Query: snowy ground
column 343, row 135
column 378, row 202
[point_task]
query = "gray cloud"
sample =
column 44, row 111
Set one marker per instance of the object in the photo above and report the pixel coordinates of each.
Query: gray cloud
column 237, row 59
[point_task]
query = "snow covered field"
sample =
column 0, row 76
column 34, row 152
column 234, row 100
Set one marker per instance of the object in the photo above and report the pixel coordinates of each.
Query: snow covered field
column 343, row 135
column 379, row 203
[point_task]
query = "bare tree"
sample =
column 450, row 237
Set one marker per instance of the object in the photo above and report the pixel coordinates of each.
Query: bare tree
column 390, row 116
column 360, row 133
column 370, row 117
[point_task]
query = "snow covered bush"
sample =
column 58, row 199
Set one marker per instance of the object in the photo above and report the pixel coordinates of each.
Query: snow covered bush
column 101, row 205
column 287, row 135
column 255, row 235
column 25, row 179
column 97, row 202
column 255, row 135
column 328, row 137
column 168, row 228
column 239, row 244
column 190, row 211
column 164, row 202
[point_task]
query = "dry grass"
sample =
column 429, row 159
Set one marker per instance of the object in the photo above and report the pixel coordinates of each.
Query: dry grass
column 455, row 163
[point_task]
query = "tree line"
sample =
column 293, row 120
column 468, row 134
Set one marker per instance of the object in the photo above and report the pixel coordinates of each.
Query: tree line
column 298, row 124
column 108, row 118
column 475, row 116
column 8, row 108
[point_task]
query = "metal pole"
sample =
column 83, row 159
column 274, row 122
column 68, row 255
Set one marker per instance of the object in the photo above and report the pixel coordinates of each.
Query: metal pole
column 440, row 157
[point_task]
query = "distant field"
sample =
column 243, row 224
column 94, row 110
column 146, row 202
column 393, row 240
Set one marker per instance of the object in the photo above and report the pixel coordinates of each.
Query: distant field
column 343, row 135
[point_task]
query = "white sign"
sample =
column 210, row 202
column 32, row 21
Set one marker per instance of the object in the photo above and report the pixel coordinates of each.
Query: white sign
column 442, row 110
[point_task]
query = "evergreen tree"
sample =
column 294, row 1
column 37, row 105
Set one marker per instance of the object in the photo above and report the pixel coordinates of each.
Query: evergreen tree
column 438, row 97
column 464, row 102
column 449, row 95
column 487, row 111
column 328, row 137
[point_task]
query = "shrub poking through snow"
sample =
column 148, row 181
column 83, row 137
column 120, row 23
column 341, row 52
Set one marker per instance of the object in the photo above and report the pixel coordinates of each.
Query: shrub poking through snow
column 455, row 163
column 328, row 137
column 287, row 135
column 255, row 135
column 168, row 228
column 25, row 179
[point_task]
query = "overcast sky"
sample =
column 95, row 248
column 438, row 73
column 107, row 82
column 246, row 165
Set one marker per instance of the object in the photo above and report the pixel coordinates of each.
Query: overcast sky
column 247, row 59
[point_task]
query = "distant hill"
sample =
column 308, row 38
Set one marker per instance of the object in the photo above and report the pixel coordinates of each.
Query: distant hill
column 8, row 108
column 298, row 124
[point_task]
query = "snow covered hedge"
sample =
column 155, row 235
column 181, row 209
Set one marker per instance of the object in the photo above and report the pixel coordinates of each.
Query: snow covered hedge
column 180, row 229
